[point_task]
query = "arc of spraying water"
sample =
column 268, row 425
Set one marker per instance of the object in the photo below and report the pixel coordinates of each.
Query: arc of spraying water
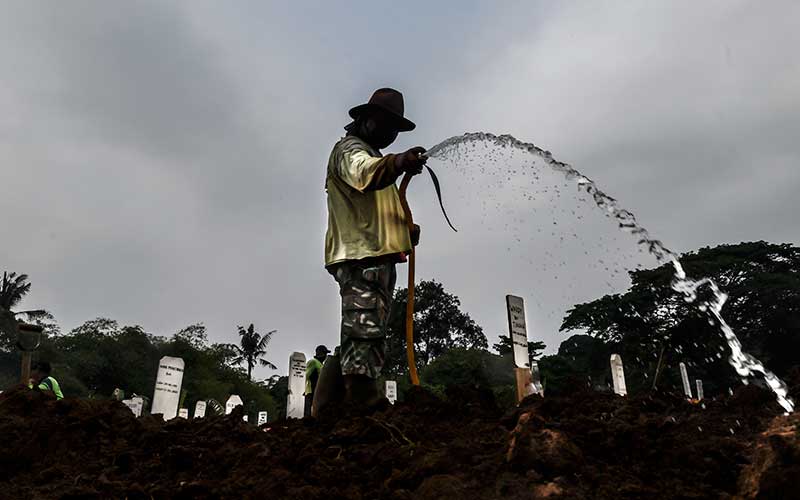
column 745, row 364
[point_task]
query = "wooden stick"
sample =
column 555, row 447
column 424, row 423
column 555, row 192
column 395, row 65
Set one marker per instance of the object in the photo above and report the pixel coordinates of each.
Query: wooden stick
column 658, row 366
column 25, row 375
column 524, row 380
column 412, row 366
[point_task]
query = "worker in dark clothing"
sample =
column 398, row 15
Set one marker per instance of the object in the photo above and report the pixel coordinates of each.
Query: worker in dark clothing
column 313, row 369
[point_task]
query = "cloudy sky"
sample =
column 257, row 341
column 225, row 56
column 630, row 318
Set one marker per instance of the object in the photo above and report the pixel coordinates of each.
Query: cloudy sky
column 162, row 163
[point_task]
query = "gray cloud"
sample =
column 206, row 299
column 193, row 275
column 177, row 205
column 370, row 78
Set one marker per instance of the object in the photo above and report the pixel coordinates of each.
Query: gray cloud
column 164, row 162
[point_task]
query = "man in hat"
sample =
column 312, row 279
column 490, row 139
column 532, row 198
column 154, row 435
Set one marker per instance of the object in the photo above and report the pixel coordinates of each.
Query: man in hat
column 367, row 236
column 313, row 369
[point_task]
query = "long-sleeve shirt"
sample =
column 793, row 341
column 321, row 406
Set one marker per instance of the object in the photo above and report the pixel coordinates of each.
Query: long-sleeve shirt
column 365, row 217
column 50, row 384
column 313, row 369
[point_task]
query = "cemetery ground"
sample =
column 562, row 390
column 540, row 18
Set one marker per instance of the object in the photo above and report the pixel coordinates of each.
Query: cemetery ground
column 583, row 444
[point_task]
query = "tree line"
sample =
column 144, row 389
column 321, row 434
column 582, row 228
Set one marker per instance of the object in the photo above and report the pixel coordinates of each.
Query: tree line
column 649, row 325
column 101, row 355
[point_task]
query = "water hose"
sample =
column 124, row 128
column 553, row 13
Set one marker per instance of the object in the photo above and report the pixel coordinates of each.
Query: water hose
column 412, row 366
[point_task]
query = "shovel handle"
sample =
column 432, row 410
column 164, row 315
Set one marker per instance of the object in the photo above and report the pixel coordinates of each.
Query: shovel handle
column 412, row 366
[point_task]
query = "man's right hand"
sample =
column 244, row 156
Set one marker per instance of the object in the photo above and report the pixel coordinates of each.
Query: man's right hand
column 412, row 160
column 414, row 233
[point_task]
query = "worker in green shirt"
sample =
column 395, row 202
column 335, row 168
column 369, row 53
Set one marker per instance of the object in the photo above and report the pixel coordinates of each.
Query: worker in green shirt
column 313, row 369
column 41, row 379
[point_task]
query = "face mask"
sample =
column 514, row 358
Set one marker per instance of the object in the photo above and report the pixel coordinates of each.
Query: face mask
column 378, row 135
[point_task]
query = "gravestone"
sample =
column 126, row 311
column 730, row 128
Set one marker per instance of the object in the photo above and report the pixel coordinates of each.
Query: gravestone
column 183, row 413
column 129, row 404
column 536, row 379
column 687, row 389
column 618, row 375
column 295, row 401
column 168, row 387
column 699, row 385
column 391, row 391
column 200, row 409
column 232, row 403
column 135, row 404
column 245, row 418
column 262, row 418
column 518, row 333
column 138, row 401
column 518, row 330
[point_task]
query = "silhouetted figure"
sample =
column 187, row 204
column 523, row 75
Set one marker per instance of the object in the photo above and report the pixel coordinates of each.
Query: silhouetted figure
column 313, row 370
column 367, row 236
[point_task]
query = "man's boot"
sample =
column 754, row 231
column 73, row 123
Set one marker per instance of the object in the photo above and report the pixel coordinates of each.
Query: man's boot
column 330, row 386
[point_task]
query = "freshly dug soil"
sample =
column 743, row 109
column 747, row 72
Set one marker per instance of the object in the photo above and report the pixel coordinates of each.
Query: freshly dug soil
column 586, row 445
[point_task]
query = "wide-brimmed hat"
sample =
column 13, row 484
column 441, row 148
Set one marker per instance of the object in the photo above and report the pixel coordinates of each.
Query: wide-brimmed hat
column 390, row 101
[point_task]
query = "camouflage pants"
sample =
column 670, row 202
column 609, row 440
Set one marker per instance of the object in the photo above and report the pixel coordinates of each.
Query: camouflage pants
column 366, row 287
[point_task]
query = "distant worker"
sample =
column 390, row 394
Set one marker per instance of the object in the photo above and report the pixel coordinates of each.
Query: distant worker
column 367, row 236
column 43, row 381
column 313, row 369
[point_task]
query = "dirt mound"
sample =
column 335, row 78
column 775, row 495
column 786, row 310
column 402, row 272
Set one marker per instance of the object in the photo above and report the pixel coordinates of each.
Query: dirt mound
column 585, row 445
column 775, row 467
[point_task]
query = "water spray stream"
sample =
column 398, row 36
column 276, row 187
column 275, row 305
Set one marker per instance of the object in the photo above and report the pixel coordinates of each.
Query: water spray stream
column 744, row 364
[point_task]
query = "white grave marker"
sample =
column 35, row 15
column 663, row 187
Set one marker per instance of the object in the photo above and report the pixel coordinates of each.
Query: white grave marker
column 618, row 375
column 518, row 330
column 139, row 402
column 200, row 409
column 536, row 379
column 245, row 418
column 135, row 404
column 168, row 387
column 262, row 418
column 183, row 413
column 232, row 403
column 391, row 391
column 129, row 404
column 295, row 402
column 699, row 384
column 687, row 388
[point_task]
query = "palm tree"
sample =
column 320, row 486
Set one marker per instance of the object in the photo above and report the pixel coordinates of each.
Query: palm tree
column 12, row 289
column 251, row 349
